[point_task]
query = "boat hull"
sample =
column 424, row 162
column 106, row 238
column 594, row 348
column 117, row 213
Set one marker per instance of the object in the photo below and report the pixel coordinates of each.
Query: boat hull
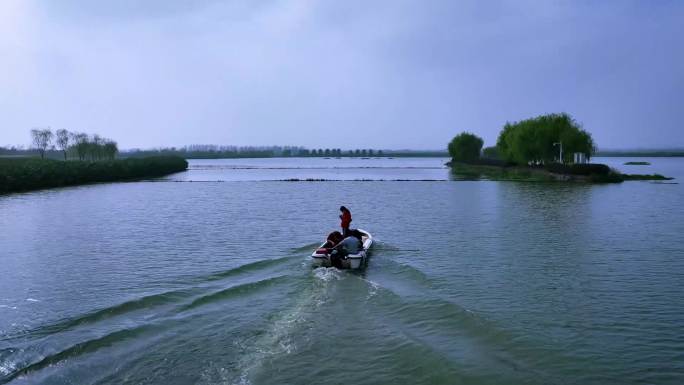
column 351, row 261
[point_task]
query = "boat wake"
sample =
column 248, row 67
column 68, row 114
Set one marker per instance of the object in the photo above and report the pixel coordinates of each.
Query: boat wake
column 306, row 248
column 327, row 274
column 24, row 352
column 285, row 329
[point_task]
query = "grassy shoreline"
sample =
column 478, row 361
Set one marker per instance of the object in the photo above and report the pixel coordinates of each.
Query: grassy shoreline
column 26, row 174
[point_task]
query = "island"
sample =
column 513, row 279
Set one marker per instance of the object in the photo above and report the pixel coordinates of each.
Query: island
column 551, row 147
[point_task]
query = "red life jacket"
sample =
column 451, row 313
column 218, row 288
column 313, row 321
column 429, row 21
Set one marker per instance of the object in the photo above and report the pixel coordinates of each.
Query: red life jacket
column 346, row 219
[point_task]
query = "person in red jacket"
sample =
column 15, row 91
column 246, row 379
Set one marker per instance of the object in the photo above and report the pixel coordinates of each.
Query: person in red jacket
column 345, row 221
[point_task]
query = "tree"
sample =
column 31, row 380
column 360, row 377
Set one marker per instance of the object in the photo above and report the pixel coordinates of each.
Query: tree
column 110, row 149
column 531, row 141
column 95, row 147
column 41, row 140
column 63, row 137
column 465, row 147
column 491, row 153
column 80, row 141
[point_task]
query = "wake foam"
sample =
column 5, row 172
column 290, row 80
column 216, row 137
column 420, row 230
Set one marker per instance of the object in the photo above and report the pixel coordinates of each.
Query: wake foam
column 327, row 274
column 280, row 336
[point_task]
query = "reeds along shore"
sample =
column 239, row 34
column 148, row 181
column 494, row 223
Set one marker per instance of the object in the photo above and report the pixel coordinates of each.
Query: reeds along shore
column 25, row 174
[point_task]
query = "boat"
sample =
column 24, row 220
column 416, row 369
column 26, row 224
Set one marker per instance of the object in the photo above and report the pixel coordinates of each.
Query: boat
column 321, row 257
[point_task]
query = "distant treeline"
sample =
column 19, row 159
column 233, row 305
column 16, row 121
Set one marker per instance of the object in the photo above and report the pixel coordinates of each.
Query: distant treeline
column 215, row 152
column 416, row 154
column 24, row 174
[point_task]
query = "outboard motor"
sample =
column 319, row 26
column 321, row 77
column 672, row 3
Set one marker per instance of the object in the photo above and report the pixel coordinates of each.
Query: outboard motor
column 336, row 259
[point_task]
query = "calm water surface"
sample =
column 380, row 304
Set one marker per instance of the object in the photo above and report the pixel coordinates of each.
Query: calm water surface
column 203, row 278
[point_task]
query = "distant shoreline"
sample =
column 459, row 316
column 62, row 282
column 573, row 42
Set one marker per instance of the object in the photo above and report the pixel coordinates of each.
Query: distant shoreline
column 384, row 154
column 640, row 154
column 401, row 154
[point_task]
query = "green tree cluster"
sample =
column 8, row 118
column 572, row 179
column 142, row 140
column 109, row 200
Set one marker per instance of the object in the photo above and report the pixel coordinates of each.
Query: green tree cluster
column 536, row 140
column 465, row 147
column 92, row 147
column 80, row 145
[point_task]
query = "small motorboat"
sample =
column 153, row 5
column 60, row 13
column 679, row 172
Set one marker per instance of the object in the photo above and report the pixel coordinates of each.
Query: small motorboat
column 322, row 256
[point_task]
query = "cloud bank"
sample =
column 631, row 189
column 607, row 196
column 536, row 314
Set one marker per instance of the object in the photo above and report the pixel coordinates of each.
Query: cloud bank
column 380, row 74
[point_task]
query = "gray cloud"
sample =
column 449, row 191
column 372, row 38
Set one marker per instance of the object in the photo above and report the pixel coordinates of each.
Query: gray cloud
column 390, row 74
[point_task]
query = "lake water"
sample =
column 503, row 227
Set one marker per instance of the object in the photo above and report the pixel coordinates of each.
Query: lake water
column 203, row 277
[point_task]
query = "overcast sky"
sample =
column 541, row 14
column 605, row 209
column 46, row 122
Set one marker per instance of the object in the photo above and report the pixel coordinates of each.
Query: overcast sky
column 370, row 74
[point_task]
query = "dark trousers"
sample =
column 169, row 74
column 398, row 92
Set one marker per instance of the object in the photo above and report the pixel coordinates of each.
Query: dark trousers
column 345, row 232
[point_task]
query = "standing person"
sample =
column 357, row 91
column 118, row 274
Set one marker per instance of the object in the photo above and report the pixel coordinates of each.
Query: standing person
column 345, row 220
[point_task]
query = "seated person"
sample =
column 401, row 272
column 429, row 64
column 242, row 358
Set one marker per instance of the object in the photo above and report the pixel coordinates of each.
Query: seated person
column 349, row 245
column 333, row 239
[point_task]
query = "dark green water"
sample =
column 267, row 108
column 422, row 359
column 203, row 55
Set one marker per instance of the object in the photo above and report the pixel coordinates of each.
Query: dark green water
column 469, row 282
